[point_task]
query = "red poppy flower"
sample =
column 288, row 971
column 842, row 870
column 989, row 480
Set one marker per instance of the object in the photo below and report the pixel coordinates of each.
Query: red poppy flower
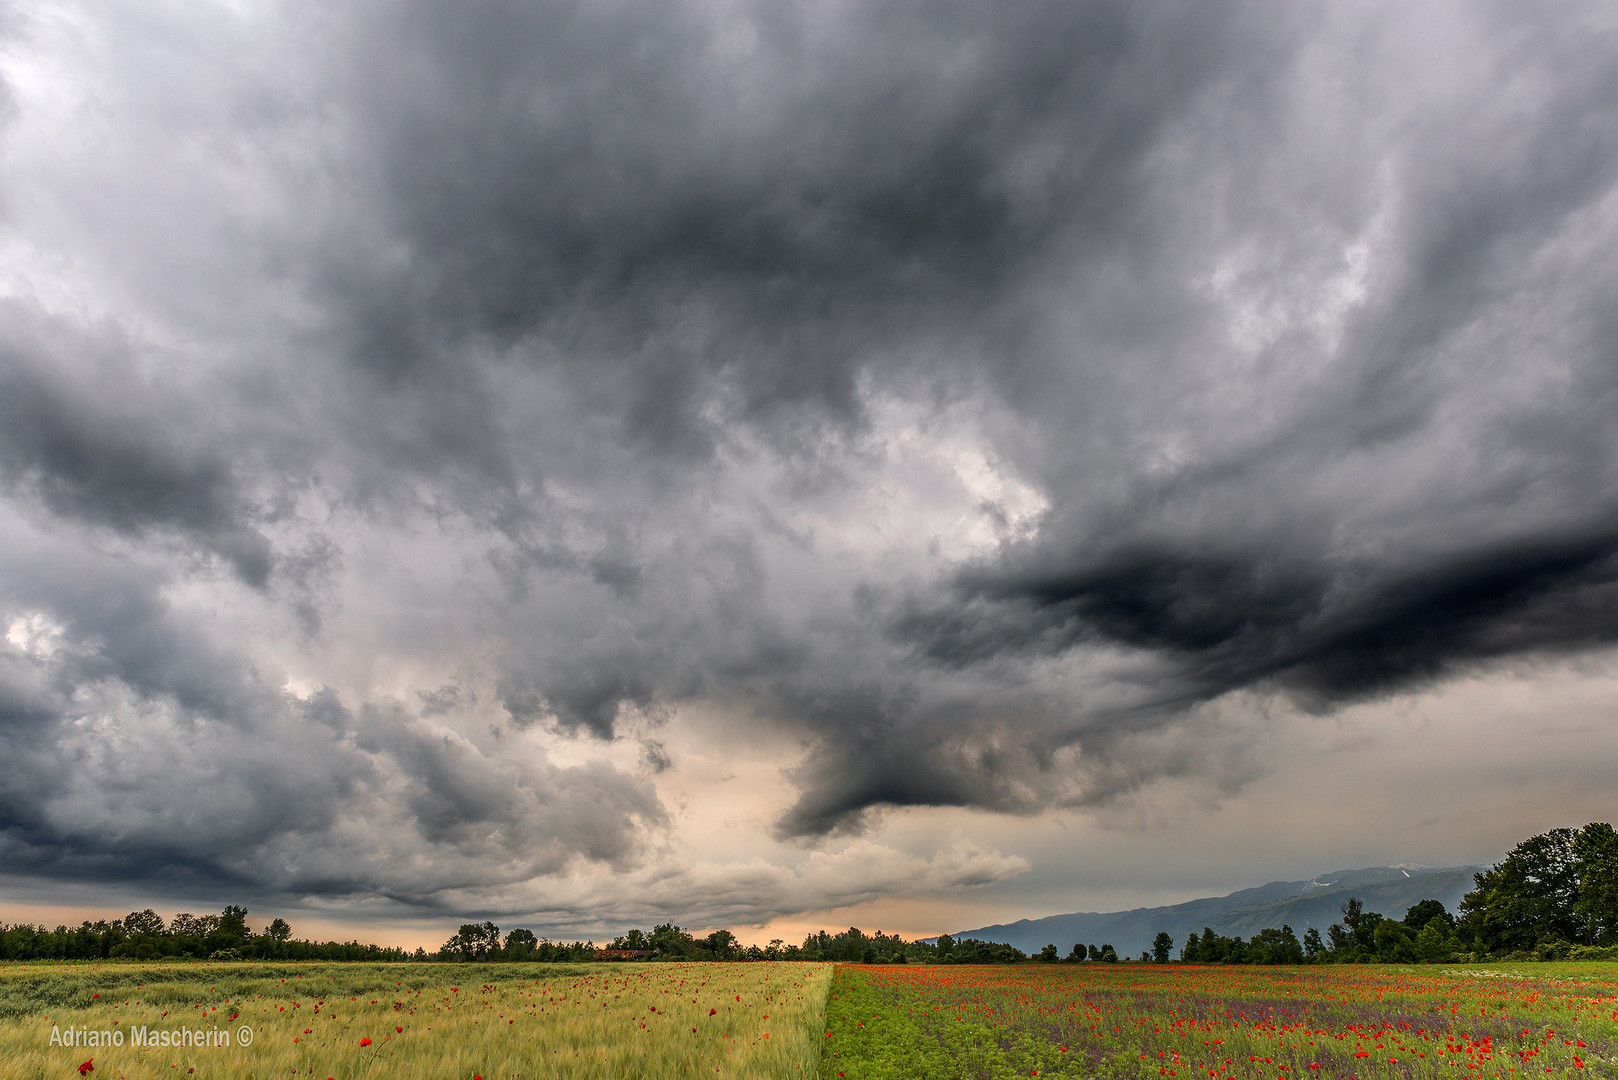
column 398, row 1029
column 365, row 1042
column 87, row 1068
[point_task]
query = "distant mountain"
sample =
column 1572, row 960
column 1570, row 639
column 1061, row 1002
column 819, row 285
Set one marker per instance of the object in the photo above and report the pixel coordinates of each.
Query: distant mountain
column 1390, row 890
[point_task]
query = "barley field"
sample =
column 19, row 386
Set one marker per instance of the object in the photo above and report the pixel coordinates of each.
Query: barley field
column 416, row 1021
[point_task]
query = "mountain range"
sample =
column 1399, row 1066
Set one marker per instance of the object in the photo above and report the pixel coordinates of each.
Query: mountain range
column 1390, row 890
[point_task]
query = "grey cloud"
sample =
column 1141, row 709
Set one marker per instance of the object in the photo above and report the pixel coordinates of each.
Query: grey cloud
column 145, row 752
column 683, row 227
column 703, row 277
column 621, row 323
column 1339, row 632
column 91, row 442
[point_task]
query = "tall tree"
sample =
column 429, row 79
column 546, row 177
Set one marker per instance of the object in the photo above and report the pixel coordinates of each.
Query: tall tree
column 1425, row 911
column 1596, row 906
column 722, row 943
column 143, row 922
column 1361, row 924
column 233, row 924
column 1528, row 898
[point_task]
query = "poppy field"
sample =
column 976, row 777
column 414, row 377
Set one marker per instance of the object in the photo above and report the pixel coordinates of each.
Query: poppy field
column 1364, row 1022
column 418, row 1021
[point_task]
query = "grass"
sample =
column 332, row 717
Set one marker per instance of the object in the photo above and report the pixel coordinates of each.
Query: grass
column 772, row 1020
column 422, row 1020
column 1213, row 1023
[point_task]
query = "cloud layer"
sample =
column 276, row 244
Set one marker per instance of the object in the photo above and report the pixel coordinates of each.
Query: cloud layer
column 400, row 419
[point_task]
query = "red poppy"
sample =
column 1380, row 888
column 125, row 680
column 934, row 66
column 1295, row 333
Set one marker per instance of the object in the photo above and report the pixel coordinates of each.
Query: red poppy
column 87, row 1068
column 398, row 1029
column 712, row 1011
column 365, row 1042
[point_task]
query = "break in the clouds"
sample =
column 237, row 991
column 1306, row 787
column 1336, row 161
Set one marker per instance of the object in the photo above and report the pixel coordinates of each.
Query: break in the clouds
column 415, row 418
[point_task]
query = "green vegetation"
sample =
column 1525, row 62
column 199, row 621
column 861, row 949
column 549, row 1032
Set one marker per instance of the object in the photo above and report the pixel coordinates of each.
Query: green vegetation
column 668, row 942
column 143, row 935
column 417, row 1021
column 1554, row 897
column 888, row 1023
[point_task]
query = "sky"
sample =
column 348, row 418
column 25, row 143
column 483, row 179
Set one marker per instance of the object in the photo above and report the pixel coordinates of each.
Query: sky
column 793, row 465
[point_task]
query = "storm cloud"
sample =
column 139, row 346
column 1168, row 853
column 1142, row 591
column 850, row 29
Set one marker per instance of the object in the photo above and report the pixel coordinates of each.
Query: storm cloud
column 408, row 421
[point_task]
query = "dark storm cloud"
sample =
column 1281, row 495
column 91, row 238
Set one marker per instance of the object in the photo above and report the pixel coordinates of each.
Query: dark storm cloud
column 81, row 435
column 700, row 241
column 691, row 224
column 1296, row 325
column 1442, row 496
column 682, row 220
column 1333, row 633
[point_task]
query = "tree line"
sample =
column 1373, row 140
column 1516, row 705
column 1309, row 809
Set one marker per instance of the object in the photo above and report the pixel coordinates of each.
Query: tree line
column 482, row 942
column 143, row 935
column 1554, row 896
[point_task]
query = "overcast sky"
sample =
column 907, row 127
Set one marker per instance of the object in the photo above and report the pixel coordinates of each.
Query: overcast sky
column 783, row 465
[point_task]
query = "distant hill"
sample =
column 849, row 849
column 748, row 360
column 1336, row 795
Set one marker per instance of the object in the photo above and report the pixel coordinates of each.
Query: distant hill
column 1390, row 890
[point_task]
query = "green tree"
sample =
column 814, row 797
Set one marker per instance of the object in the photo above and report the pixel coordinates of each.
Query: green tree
column 520, row 944
column 148, row 923
column 1162, row 946
column 231, row 932
column 233, row 922
column 722, row 943
column 1596, row 905
column 1425, row 911
column 1078, row 953
column 635, row 939
column 188, row 925
column 1048, row 955
column 1528, row 898
column 1394, row 942
column 1272, row 946
column 1361, row 925
column 474, row 941
column 1435, row 941
column 1109, row 955
column 669, row 940
column 1312, row 945
column 278, row 930
column 1213, row 949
